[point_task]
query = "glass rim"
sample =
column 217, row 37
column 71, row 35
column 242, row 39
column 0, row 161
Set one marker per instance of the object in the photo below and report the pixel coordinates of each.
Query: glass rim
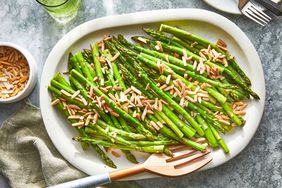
column 38, row 1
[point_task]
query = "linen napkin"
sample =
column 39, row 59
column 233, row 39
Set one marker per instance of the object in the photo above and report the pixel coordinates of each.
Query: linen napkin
column 28, row 158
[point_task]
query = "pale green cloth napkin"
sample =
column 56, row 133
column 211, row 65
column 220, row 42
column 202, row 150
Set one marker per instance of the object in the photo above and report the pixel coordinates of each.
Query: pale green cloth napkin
column 29, row 159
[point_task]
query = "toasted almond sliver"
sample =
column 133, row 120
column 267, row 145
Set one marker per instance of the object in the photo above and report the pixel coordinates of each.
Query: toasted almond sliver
column 3, row 79
column 115, row 154
column 155, row 125
column 75, row 94
column 88, row 120
column 144, row 114
column 163, row 87
column 240, row 113
column 160, row 107
column 181, row 103
column 118, row 88
column 142, row 40
column 54, row 102
column 115, row 57
column 147, row 86
column 224, row 122
column 66, row 93
column 156, row 103
column 5, row 63
column 160, row 46
column 195, row 65
column 168, row 88
column 74, row 117
column 78, row 124
column 168, row 79
column 160, row 124
column 157, row 47
column 136, row 90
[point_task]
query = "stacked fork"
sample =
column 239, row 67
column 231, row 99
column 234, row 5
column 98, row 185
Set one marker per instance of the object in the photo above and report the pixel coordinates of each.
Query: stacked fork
column 253, row 12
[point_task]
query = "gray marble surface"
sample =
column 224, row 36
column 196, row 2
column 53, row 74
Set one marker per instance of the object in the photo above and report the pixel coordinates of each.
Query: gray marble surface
column 259, row 165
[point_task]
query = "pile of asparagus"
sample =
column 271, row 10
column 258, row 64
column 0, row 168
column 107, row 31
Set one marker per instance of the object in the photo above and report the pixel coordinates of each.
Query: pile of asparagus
column 172, row 87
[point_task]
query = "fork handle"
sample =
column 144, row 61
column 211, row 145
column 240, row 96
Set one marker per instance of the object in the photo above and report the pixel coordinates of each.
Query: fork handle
column 125, row 172
column 275, row 8
column 95, row 180
column 242, row 3
column 101, row 179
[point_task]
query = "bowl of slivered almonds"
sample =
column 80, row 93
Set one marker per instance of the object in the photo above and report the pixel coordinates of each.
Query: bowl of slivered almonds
column 18, row 72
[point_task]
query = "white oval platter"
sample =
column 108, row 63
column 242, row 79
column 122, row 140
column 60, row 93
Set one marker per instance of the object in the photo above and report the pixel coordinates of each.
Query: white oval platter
column 201, row 22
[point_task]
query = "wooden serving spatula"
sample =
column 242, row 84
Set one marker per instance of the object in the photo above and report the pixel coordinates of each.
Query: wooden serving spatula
column 184, row 161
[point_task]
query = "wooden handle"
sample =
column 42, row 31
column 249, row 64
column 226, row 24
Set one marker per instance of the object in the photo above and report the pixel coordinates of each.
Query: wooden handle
column 242, row 3
column 118, row 174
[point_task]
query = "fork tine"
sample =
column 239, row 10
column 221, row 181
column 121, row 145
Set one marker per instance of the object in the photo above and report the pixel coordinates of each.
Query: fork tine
column 181, row 154
column 261, row 13
column 251, row 12
column 193, row 167
column 188, row 159
column 258, row 14
column 250, row 16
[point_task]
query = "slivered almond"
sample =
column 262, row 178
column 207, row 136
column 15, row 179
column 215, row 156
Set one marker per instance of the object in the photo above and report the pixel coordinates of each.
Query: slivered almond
column 4, row 79
column 144, row 114
column 163, row 87
column 160, row 124
column 104, row 90
column 167, row 57
column 164, row 102
column 203, row 95
column 181, row 103
column 75, row 94
column 88, row 120
column 169, row 88
column 95, row 118
column 177, row 91
column 73, row 106
column 199, row 99
column 136, row 90
column 195, row 65
column 147, row 86
column 127, row 91
column 74, row 117
column 78, row 124
column 160, row 106
column 118, row 88
column 168, row 79
column 55, row 102
column 184, row 60
column 115, row 154
column 156, row 103
column 66, row 93
column 224, row 122
column 114, row 113
column 155, row 125
column 115, row 57
column 240, row 113
column 142, row 40
column 91, row 92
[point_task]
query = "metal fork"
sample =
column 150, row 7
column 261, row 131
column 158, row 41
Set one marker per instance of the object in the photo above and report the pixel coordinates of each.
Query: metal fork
column 184, row 161
column 253, row 12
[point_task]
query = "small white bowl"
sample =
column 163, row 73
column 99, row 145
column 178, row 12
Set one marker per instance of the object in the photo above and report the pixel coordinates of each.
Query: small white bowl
column 32, row 73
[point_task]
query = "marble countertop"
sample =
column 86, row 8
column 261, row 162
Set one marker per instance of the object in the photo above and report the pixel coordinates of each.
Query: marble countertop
column 259, row 165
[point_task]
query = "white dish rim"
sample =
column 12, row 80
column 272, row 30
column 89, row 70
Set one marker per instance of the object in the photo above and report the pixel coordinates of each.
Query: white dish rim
column 142, row 18
column 214, row 4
